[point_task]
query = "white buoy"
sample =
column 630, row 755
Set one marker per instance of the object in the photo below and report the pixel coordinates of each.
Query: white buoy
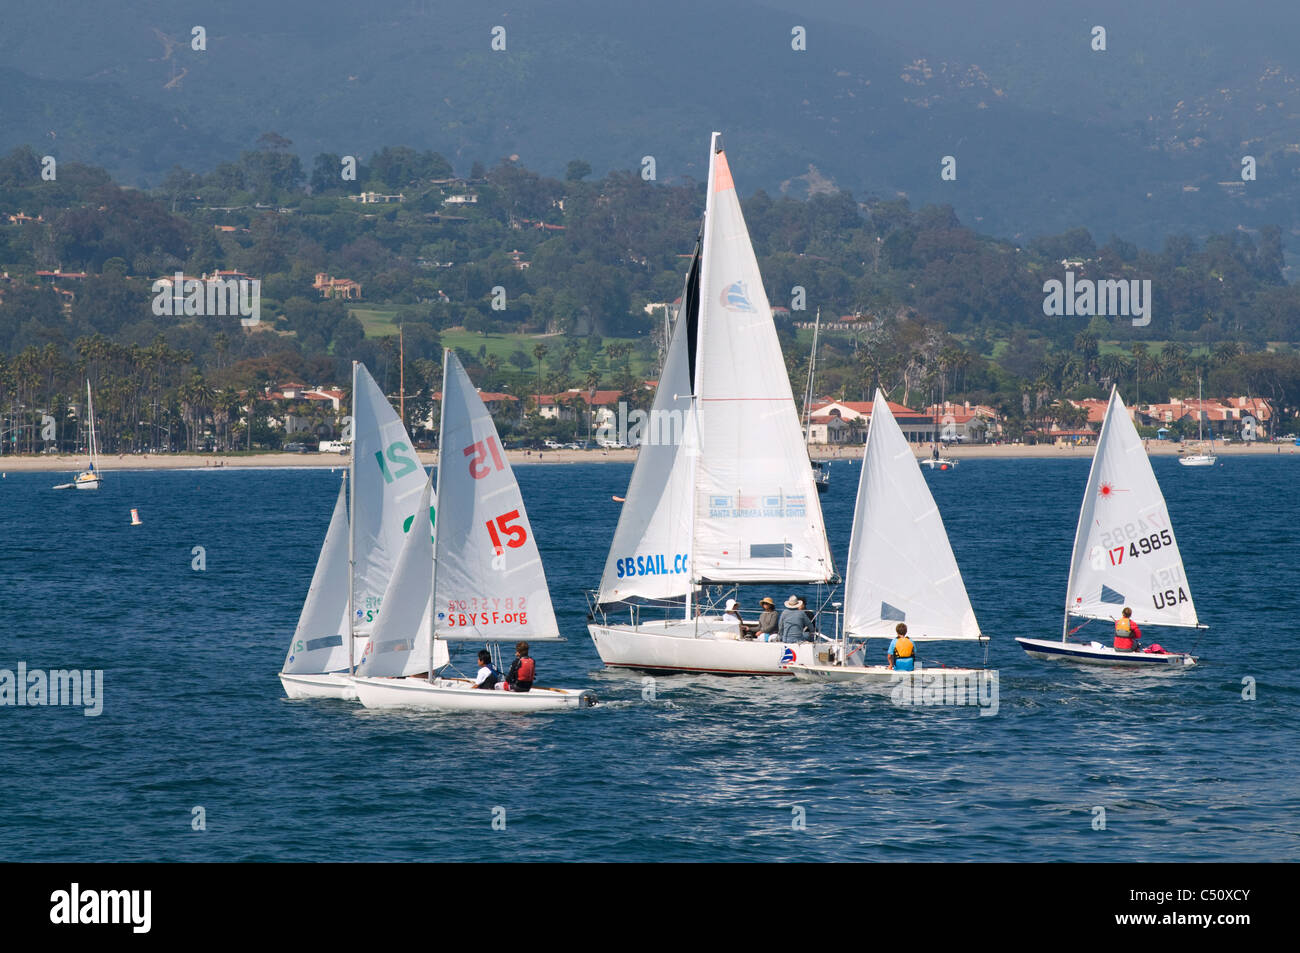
column 135, row 518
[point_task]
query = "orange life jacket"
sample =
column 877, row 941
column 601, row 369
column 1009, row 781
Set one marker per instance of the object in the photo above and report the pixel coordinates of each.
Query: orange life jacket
column 1123, row 633
column 903, row 647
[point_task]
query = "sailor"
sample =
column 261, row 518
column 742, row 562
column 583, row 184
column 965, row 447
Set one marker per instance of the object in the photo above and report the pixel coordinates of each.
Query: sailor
column 1127, row 633
column 901, row 653
column 768, row 621
column 488, row 675
column 794, row 622
column 522, row 670
column 732, row 614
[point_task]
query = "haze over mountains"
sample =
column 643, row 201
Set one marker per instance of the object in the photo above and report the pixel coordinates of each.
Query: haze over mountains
column 1047, row 133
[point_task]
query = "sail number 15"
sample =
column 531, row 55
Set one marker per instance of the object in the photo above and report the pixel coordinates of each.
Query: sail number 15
column 478, row 467
column 502, row 524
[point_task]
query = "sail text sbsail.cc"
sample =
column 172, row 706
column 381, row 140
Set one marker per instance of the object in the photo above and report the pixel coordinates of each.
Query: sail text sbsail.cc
column 732, row 500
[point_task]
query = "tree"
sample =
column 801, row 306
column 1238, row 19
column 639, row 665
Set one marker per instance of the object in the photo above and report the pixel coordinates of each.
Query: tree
column 577, row 170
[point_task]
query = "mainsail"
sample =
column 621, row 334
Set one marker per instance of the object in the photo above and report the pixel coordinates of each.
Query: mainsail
column 387, row 481
column 901, row 565
column 1125, row 553
column 319, row 640
column 399, row 643
column 489, row 584
column 730, row 499
column 650, row 555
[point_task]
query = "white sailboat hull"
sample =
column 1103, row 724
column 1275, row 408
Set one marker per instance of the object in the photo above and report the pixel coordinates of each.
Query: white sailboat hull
column 874, row 675
column 338, row 685
column 1199, row 460
column 1097, row 654
column 458, row 694
column 681, row 646
column 940, row 464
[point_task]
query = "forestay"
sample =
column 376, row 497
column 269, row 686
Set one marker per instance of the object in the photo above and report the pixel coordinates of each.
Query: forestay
column 650, row 555
column 400, row 641
column 387, row 480
column 757, row 517
column 488, row 579
column 1125, row 552
column 319, row 643
column 901, row 565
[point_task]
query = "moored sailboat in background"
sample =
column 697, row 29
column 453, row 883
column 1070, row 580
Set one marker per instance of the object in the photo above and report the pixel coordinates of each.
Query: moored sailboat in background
column 1125, row 555
column 725, row 497
column 1202, row 457
column 901, row 565
column 89, row 478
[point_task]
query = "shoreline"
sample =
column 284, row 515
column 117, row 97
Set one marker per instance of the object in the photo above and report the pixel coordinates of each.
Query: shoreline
column 279, row 460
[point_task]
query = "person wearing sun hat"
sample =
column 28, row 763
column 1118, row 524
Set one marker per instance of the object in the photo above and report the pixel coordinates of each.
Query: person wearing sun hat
column 794, row 622
column 769, row 621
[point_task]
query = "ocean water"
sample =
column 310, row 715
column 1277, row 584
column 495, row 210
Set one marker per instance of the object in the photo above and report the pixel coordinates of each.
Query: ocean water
column 709, row 769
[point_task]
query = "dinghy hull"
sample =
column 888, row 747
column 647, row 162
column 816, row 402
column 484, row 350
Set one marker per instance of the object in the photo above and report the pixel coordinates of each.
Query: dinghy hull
column 1097, row 654
column 679, row 646
column 458, row 694
column 872, row 675
column 337, row 685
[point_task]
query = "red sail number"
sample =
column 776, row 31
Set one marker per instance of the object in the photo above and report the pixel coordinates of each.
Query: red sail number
column 478, row 467
column 518, row 535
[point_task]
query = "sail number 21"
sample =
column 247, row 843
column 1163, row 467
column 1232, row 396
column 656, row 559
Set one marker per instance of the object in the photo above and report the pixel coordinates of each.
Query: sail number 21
column 403, row 463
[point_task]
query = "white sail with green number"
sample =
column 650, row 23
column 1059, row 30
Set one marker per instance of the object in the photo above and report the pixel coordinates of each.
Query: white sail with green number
column 387, row 482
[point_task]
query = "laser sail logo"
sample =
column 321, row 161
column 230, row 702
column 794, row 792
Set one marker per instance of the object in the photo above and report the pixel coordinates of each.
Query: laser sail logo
column 102, row 907
column 221, row 293
column 735, row 297
column 1106, row 298
column 36, row 688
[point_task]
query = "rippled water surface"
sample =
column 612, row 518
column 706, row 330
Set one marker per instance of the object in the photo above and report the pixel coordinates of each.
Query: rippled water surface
column 709, row 769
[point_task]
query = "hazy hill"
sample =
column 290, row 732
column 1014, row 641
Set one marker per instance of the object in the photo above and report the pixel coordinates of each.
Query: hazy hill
column 1047, row 133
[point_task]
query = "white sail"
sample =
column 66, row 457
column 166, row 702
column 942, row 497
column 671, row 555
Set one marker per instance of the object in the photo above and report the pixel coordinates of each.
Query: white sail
column 319, row 640
column 1125, row 553
column 92, row 446
column 488, row 579
column 901, row 565
column 650, row 555
column 399, row 641
column 387, row 481
column 757, row 516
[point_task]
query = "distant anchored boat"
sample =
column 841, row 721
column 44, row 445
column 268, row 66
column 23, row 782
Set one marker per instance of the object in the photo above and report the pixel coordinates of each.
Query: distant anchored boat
column 89, row 478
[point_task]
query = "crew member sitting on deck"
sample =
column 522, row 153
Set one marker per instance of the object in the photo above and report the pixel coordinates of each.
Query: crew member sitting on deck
column 488, row 676
column 732, row 614
column 794, row 623
column 768, row 621
column 522, row 670
column 1127, row 633
column 901, row 653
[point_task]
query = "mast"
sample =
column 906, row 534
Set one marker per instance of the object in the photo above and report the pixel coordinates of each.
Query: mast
column 401, row 376
column 352, row 525
column 812, row 377
column 715, row 146
column 437, row 537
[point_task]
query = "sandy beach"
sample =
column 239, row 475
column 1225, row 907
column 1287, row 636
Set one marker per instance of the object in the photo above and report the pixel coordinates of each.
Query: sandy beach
column 201, row 461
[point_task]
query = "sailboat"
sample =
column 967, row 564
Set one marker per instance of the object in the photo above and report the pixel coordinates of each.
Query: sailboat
column 1125, row 554
column 89, row 478
column 935, row 461
column 484, row 572
column 721, row 494
column 821, row 471
column 901, row 565
column 385, row 480
column 1202, row 457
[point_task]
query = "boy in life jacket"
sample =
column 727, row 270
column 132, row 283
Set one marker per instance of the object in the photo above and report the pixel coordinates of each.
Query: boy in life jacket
column 901, row 653
column 488, row 675
column 522, row 670
column 1127, row 633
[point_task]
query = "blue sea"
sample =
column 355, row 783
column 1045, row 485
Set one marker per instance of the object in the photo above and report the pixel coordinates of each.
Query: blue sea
column 195, row 731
